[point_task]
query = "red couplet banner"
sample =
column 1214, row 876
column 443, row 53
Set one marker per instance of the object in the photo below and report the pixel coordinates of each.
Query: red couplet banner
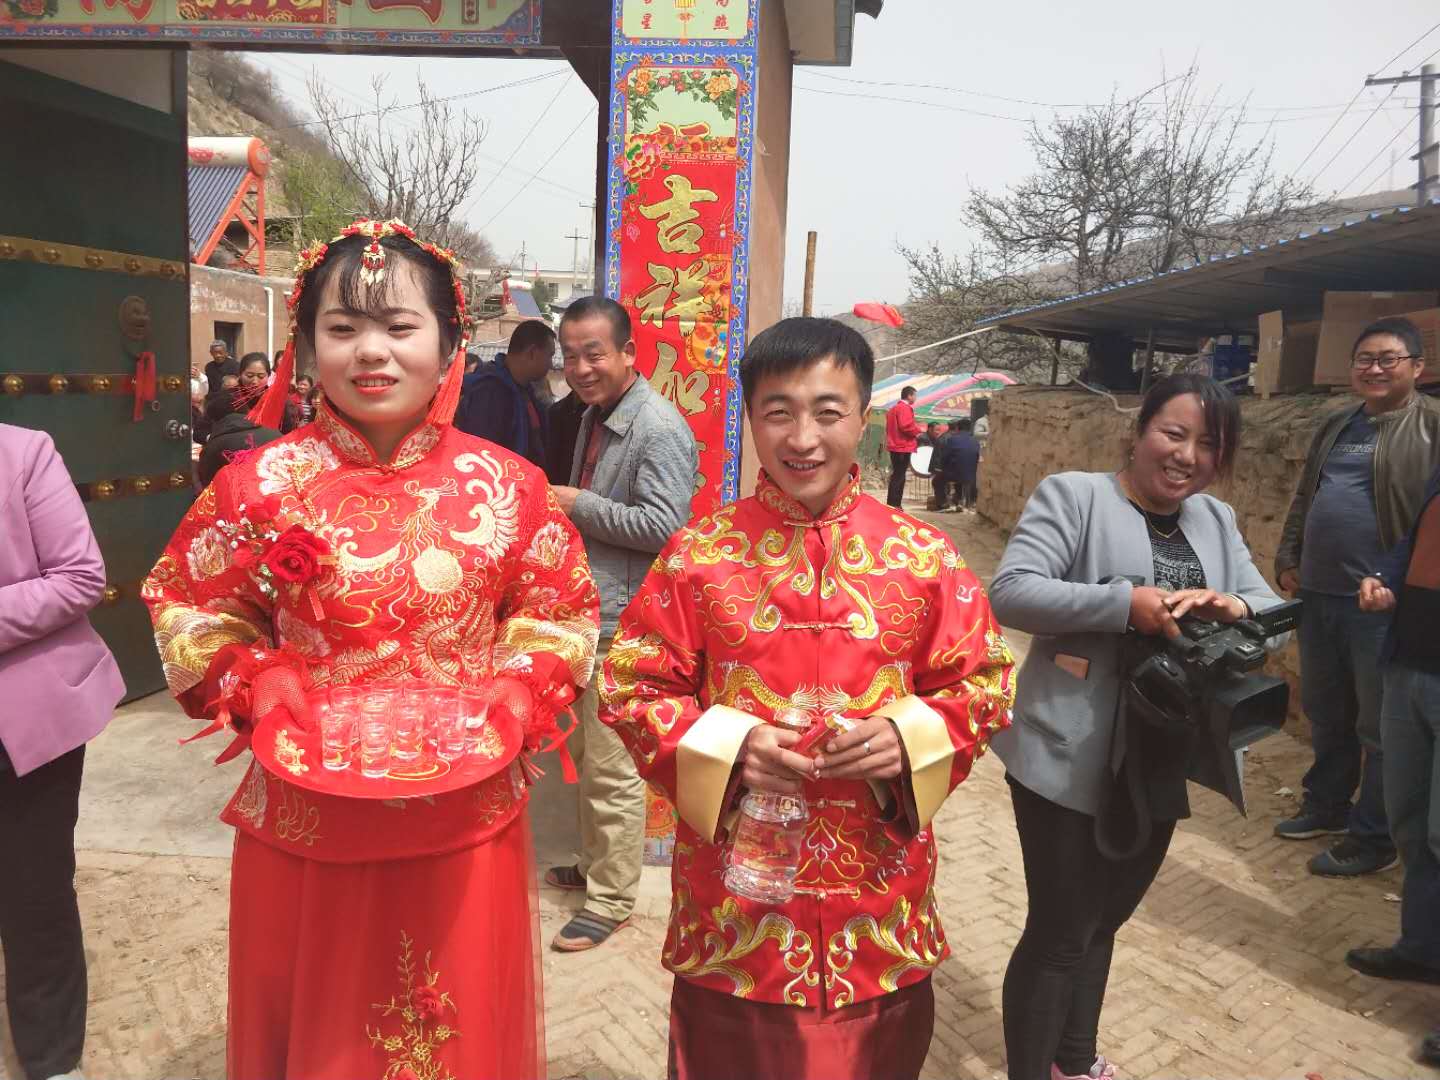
column 678, row 244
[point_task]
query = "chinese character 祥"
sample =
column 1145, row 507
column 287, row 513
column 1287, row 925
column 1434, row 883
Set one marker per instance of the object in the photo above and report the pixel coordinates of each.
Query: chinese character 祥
column 722, row 22
column 684, row 284
column 677, row 231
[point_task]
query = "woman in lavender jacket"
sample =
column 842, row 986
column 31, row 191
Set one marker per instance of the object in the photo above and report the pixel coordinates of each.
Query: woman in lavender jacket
column 58, row 687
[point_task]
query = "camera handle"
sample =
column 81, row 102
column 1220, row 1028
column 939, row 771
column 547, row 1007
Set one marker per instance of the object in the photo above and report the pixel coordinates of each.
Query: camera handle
column 1127, row 797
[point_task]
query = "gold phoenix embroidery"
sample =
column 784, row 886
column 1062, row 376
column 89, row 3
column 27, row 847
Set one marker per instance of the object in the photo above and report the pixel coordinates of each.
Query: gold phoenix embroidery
column 296, row 821
column 288, row 754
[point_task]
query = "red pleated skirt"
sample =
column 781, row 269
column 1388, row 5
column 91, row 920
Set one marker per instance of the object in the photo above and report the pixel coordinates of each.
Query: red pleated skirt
column 715, row 1036
column 413, row 969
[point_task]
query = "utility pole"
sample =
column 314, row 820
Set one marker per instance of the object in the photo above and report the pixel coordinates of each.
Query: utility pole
column 807, row 306
column 575, row 239
column 1428, row 186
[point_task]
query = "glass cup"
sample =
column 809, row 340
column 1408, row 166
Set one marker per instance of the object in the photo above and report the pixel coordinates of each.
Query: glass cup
column 447, row 723
column 346, row 701
column 412, row 692
column 377, row 728
column 377, row 731
column 409, row 730
column 474, row 707
column 377, row 698
column 337, row 748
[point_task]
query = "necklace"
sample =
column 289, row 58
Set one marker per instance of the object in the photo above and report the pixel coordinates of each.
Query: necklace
column 1150, row 521
column 1156, row 529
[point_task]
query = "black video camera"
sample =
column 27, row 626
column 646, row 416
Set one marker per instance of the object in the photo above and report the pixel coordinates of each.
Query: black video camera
column 1210, row 675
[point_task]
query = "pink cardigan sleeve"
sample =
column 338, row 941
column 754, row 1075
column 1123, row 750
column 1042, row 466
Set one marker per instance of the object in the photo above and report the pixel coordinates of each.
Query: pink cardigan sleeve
column 72, row 573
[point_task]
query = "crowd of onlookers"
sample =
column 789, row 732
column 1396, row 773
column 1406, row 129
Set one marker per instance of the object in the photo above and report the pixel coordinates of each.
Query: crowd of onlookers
column 953, row 464
column 507, row 400
column 222, row 394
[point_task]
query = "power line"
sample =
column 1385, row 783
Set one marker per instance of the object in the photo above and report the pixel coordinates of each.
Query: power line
column 524, row 139
column 995, row 116
column 913, row 101
column 305, row 77
column 392, row 109
column 1399, row 131
column 1045, row 104
column 1353, row 135
column 1407, row 48
column 1321, row 141
column 563, row 143
column 568, row 191
column 494, row 174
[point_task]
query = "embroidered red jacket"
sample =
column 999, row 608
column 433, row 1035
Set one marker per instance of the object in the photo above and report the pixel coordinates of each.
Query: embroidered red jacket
column 451, row 561
column 760, row 611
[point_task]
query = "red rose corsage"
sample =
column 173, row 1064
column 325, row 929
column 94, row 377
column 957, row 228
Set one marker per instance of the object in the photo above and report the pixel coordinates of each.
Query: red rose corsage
column 295, row 558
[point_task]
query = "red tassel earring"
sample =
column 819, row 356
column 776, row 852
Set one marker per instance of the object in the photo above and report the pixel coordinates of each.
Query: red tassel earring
column 270, row 411
column 442, row 409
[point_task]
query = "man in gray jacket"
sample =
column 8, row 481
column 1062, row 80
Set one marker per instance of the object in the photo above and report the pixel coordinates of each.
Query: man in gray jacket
column 631, row 482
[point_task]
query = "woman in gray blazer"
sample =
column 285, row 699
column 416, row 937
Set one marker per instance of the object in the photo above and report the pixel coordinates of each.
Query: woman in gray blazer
column 1148, row 521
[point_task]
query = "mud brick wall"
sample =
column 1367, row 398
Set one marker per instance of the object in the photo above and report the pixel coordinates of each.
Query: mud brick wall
column 1036, row 431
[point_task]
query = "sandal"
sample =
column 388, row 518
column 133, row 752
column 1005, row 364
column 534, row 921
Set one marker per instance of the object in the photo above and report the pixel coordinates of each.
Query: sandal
column 565, row 877
column 585, row 931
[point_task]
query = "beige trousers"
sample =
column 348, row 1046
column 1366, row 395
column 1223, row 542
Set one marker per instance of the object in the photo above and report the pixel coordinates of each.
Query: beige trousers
column 612, row 809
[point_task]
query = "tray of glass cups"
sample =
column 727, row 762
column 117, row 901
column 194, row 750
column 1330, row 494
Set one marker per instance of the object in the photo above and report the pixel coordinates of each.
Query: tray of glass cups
column 387, row 740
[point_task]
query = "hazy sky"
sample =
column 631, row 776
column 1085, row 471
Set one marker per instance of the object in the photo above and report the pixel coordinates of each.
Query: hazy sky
column 870, row 173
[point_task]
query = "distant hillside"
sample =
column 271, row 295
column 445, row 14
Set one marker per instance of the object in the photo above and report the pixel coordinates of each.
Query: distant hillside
column 230, row 96
column 308, row 188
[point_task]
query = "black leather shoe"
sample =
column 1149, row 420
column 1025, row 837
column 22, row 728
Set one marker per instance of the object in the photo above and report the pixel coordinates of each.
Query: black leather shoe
column 1388, row 964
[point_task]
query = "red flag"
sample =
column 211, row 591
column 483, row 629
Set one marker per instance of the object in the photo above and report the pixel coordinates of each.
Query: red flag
column 881, row 313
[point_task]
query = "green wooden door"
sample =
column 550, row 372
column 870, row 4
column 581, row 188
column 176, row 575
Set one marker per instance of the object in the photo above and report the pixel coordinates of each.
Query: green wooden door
column 94, row 273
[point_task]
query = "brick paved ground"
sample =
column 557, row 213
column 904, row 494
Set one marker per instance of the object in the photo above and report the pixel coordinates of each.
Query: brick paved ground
column 1232, row 967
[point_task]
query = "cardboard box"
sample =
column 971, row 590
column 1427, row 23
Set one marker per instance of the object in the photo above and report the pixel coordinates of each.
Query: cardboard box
column 1286, row 358
column 1345, row 315
column 1428, row 323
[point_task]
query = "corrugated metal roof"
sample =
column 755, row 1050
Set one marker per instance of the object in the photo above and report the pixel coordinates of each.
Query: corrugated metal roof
column 1394, row 250
column 212, row 188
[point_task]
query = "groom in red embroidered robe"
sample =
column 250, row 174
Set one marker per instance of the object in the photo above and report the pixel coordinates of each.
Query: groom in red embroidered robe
column 808, row 601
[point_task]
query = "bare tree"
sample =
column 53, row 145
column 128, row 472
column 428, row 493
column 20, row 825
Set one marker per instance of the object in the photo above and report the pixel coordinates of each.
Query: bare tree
column 949, row 293
column 1140, row 186
column 1085, row 202
column 414, row 162
column 1209, row 190
column 1131, row 187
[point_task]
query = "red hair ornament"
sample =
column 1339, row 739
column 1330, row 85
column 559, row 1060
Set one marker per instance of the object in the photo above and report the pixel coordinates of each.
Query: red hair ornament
column 270, row 411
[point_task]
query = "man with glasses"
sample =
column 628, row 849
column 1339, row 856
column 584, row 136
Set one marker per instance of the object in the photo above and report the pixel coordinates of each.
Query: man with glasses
column 1362, row 484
